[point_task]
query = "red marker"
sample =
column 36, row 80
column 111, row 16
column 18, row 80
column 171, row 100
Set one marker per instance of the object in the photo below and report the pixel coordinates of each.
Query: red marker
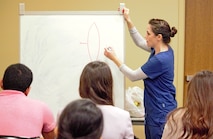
column 122, row 5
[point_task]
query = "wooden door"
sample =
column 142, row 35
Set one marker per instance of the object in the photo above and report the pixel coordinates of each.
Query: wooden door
column 198, row 38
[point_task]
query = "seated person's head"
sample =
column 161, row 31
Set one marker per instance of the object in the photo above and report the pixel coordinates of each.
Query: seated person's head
column 200, row 89
column 96, row 83
column 17, row 77
column 81, row 119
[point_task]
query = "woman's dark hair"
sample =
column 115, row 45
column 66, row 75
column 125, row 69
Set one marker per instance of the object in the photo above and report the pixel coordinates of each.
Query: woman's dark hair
column 17, row 77
column 96, row 83
column 160, row 26
column 81, row 119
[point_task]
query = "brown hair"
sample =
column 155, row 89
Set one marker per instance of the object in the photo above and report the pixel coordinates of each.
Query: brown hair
column 160, row 26
column 198, row 117
column 96, row 83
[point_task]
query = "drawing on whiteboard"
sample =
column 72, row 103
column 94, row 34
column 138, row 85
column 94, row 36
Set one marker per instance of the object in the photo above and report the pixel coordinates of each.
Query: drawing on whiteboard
column 93, row 41
column 56, row 48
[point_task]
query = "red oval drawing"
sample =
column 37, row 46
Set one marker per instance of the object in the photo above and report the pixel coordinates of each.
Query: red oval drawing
column 93, row 42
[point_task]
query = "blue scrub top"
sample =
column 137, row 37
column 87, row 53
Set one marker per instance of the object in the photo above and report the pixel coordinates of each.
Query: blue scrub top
column 159, row 91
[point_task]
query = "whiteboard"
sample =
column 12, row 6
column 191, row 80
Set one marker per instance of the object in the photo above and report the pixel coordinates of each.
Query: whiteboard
column 56, row 47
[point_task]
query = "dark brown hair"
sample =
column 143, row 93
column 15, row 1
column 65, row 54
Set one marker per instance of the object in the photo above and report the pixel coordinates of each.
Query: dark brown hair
column 81, row 119
column 160, row 26
column 17, row 77
column 96, row 83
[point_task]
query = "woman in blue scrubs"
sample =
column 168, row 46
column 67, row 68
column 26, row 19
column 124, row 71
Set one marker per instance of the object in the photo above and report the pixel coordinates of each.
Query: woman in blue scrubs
column 157, row 73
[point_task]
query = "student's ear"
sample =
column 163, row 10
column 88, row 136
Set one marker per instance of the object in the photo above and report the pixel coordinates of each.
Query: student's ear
column 1, row 84
column 27, row 91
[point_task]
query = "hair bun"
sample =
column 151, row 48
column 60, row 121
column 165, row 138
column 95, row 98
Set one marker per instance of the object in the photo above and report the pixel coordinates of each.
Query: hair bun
column 173, row 32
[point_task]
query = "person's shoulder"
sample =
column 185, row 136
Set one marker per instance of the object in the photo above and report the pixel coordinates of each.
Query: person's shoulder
column 178, row 113
column 111, row 107
column 37, row 103
column 165, row 57
column 170, row 48
column 114, row 109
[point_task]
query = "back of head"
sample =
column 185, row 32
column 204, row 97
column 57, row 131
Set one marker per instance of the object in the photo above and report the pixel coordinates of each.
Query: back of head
column 81, row 119
column 199, row 115
column 200, row 90
column 96, row 83
column 160, row 26
column 17, row 77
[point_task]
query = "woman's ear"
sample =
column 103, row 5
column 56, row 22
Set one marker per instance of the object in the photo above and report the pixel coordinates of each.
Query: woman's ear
column 160, row 37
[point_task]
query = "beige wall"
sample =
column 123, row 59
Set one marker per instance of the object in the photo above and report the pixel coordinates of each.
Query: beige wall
column 141, row 11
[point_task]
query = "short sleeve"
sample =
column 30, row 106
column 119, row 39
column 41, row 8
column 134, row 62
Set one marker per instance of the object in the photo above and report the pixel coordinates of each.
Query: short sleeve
column 49, row 122
column 152, row 68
